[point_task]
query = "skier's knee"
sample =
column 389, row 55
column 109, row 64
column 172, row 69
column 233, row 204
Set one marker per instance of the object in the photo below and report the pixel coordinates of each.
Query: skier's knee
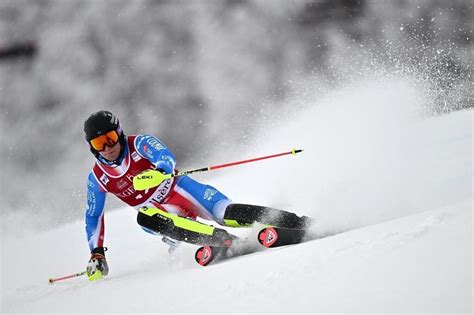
column 219, row 209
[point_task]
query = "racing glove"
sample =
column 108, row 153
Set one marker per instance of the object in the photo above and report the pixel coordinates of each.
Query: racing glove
column 97, row 266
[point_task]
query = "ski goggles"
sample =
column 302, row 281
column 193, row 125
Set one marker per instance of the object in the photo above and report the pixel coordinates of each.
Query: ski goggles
column 109, row 139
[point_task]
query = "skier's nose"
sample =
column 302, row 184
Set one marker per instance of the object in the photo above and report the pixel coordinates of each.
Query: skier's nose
column 107, row 149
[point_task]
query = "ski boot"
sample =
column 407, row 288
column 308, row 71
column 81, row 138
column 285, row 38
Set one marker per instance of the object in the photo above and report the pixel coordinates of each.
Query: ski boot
column 237, row 215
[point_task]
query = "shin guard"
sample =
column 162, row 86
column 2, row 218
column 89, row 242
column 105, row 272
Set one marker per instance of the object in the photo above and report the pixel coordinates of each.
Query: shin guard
column 182, row 229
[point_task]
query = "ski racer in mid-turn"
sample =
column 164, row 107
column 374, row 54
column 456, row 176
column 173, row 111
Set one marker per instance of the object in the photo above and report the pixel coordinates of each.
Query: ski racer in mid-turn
column 169, row 209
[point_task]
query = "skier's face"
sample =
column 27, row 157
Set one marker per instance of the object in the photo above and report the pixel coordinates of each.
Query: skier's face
column 111, row 153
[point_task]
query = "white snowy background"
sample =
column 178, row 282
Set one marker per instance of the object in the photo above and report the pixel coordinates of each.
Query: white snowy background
column 379, row 98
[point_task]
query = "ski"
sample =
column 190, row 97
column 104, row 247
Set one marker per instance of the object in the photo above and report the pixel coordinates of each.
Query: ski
column 271, row 237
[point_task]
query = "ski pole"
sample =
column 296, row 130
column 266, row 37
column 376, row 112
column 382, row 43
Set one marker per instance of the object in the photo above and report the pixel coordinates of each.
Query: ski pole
column 215, row 167
column 52, row 280
column 152, row 178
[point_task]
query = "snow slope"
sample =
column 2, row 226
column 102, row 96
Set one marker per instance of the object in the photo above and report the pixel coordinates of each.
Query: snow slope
column 420, row 263
column 397, row 186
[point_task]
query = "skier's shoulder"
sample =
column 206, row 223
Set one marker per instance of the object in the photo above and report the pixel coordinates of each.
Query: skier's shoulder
column 93, row 183
column 143, row 142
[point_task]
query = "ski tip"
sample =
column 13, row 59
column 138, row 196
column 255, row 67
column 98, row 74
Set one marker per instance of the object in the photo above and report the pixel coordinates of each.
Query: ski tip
column 268, row 237
column 204, row 255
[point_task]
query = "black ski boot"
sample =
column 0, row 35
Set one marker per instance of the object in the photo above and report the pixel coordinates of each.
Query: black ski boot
column 237, row 215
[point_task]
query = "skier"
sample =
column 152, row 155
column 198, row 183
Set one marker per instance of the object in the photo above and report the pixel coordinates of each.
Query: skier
column 170, row 209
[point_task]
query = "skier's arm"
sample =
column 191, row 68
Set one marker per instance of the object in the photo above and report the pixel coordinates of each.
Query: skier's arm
column 156, row 152
column 95, row 213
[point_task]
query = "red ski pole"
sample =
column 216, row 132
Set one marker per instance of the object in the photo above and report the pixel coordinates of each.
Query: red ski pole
column 152, row 178
column 215, row 167
column 52, row 280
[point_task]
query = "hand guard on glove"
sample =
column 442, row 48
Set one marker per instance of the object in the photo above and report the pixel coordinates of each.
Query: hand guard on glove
column 97, row 266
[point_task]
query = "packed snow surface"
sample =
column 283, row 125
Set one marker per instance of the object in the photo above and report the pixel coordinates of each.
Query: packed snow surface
column 392, row 188
column 420, row 263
